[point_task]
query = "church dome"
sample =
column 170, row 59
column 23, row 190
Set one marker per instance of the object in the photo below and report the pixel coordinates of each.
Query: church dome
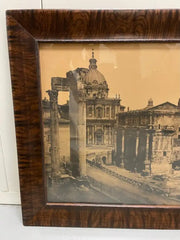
column 94, row 76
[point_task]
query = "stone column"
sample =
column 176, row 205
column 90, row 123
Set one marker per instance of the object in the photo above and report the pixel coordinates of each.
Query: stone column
column 94, row 134
column 137, row 144
column 87, row 135
column 114, row 159
column 150, row 121
column 94, row 112
column 115, row 138
column 136, row 151
column 147, row 161
column 81, row 128
column 103, row 135
column 122, row 150
column 54, row 130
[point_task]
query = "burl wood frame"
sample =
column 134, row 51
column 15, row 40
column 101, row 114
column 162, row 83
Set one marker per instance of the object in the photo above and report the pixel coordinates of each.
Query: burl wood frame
column 26, row 29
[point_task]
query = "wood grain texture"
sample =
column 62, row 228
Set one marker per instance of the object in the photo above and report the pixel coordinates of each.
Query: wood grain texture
column 25, row 30
column 106, row 25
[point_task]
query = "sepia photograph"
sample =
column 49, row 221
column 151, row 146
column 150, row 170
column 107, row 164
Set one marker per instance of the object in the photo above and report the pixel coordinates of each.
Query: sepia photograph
column 111, row 122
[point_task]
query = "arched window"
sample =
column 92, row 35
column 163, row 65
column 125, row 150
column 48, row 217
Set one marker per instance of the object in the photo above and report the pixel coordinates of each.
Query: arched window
column 99, row 112
column 90, row 112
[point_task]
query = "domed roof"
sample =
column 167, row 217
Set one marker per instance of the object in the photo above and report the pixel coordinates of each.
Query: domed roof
column 94, row 76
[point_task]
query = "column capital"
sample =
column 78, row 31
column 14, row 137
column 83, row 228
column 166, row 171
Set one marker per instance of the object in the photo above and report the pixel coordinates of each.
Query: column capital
column 53, row 95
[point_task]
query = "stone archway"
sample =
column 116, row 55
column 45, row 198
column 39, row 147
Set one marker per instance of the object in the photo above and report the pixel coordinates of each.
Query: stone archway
column 77, row 110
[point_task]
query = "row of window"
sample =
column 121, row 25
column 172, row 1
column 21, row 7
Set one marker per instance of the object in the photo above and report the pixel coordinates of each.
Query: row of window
column 99, row 112
column 133, row 121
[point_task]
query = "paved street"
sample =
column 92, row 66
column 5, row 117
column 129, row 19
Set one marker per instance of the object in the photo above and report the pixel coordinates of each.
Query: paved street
column 126, row 193
column 109, row 184
column 72, row 191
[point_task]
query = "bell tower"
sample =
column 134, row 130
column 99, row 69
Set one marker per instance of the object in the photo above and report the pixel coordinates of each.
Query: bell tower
column 92, row 61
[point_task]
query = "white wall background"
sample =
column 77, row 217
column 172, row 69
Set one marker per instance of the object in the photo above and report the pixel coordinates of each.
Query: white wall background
column 9, row 183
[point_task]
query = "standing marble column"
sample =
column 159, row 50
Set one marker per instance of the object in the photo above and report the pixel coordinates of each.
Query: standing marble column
column 136, row 151
column 54, row 130
column 81, row 128
column 147, row 161
column 93, row 137
column 88, row 140
column 151, row 121
column 122, row 150
column 137, row 144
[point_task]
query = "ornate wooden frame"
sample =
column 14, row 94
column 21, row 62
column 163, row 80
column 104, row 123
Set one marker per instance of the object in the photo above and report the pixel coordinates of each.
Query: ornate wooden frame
column 26, row 28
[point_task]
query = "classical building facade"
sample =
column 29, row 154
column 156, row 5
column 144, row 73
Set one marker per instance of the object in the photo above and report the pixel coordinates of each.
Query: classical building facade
column 148, row 140
column 89, row 126
column 92, row 126
column 100, row 116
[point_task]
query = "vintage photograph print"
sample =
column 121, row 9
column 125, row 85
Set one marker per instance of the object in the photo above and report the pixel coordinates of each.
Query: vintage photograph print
column 111, row 122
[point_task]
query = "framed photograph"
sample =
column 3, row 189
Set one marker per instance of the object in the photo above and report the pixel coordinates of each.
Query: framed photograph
column 97, row 111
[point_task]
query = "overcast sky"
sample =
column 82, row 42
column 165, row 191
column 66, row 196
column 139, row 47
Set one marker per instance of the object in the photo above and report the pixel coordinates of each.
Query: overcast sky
column 135, row 71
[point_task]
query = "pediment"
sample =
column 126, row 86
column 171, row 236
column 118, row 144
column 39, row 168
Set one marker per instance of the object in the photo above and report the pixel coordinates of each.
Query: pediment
column 167, row 106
